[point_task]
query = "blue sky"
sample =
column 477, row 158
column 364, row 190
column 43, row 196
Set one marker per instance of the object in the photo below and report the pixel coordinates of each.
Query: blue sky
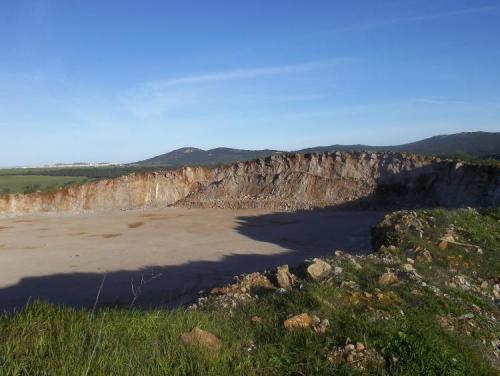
column 120, row 81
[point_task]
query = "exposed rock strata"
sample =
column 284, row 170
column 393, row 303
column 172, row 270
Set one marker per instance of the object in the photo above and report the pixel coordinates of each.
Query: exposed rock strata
column 281, row 182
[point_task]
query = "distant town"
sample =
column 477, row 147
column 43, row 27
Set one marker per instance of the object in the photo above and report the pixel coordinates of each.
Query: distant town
column 77, row 164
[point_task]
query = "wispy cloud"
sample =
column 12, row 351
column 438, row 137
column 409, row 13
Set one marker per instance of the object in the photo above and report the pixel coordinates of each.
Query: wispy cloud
column 452, row 13
column 384, row 22
column 150, row 102
column 438, row 100
column 155, row 98
column 254, row 72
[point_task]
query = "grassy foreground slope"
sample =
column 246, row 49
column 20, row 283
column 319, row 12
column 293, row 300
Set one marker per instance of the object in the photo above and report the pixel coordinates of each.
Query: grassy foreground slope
column 426, row 303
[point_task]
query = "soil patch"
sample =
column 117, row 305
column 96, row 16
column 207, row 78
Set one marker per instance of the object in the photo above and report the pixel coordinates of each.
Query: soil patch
column 109, row 236
column 135, row 224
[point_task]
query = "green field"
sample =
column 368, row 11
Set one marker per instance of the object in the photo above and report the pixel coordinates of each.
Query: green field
column 32, row 183
column 27, row 180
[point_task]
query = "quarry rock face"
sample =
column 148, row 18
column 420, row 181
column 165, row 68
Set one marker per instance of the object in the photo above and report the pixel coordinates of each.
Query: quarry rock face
column 282, row 182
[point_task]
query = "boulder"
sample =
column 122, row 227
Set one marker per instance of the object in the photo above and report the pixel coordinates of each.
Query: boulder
column 201, row 338
column 392, row 249
column 299, row 321
column 408, row 268
column 387, row 279
column 337, row 270
column 467, row 316
column 318, row 270
column 444, row 241
column 320, row 326
column 442, row 245
column 284, row 278
column 255, row 319
column 423, row 255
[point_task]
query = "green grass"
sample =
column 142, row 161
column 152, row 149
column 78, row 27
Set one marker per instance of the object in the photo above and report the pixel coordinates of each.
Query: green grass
column 10, row 184
column 28, row 180
column 45, row 339
column 98, row 172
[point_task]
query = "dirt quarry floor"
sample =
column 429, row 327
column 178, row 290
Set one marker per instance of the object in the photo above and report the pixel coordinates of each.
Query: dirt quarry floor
column 160, row 256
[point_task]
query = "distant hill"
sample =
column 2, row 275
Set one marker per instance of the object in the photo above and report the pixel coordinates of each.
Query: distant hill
column 471, row 144
column 474, row 144
column 193, row 156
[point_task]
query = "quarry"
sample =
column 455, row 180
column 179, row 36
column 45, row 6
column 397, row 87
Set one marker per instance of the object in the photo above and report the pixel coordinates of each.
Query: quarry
column 250, row 188
column 282, row 182
column 157, row 239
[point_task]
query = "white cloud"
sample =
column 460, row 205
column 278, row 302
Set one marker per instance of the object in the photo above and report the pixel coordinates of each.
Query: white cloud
column 383, row 22
column 453, row 13
column 155, row 98
column 438, row 100
column 245, row 73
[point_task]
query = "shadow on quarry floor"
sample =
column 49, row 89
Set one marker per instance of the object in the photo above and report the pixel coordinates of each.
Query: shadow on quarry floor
column 321, row 231
column 302, row 235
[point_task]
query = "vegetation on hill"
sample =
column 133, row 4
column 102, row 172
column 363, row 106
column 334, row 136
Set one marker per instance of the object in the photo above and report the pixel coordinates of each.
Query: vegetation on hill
column 477, row 145
column 490, row 160
column 469, row 145
column 425, row 303
column 199, row 157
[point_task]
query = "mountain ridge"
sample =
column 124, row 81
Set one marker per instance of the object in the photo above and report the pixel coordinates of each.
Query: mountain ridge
column 472, row 144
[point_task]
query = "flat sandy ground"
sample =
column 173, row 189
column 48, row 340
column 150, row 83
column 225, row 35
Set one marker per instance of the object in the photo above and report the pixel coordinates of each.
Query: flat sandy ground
column 161, row 256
